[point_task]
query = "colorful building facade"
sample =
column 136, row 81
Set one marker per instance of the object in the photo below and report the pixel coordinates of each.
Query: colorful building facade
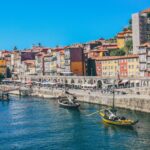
column 122, row 37
column 74, row 60
column 3, row 66
column 118, row 66
column 144, row 60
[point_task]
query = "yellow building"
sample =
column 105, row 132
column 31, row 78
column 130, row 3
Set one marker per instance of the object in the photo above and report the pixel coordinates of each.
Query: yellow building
column 3, row 67
column 133, row 67
column 120, row 40
column 53, row 63
column 122, row 37
column 109, row 66
column 118, row 66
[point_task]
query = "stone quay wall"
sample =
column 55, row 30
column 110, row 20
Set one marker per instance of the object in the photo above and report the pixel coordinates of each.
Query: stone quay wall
column 128, row 101
column 133, row 101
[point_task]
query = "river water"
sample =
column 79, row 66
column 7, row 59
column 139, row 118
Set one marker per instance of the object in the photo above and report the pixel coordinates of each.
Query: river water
column 37, row 124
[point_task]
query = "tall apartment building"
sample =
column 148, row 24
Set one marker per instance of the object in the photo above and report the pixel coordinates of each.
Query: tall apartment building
column 144, row 60
column 74, row 60
column 140, row 29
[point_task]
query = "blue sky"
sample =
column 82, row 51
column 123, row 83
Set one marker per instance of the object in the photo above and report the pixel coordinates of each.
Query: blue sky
column 62, row 22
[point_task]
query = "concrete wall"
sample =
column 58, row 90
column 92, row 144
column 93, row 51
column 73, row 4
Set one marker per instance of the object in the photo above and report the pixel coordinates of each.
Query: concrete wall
column 130, row 101
column 136, row 32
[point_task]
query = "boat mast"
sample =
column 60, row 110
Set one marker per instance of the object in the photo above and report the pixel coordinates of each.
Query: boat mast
column 65, row 85
column 113, row 106
column 113, row 99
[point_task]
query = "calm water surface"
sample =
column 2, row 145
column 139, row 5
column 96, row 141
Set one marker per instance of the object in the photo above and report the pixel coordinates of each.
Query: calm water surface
column 33, row 124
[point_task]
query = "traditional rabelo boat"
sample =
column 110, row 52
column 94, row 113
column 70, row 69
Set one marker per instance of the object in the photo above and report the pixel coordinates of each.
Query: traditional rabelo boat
column 68, row 101
column 110, row 116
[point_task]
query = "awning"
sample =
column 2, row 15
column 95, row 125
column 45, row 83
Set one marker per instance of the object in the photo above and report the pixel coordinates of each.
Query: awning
column 48, row 83
column 28, row 82
column 18, row 81
column 14, row 72
column 36, row 82
column 137, row 81
column 89, row 85
column 5, row 80
column 124, row 81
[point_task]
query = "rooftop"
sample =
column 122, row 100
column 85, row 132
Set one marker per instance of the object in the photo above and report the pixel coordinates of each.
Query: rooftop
column 116, row 57
column 145, row 45
column 146, row 10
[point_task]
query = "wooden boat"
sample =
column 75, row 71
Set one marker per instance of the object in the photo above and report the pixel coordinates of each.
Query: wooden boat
column 109, row 117
column 68, row 101
column 65, row 103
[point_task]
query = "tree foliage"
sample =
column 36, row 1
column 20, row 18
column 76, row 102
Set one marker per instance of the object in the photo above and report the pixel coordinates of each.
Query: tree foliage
column 117, row 52
column 1, row 77
column 130, row 24
column 148, row 15
column 8, row 72
column 128, row 47
column 39, row 44
column 15, row 48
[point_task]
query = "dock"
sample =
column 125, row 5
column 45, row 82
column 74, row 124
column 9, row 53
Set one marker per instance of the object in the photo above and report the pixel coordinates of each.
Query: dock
column 4, row 92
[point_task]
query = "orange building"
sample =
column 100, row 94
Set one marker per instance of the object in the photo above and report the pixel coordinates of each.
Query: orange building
column 77, row 68
column 3, row 66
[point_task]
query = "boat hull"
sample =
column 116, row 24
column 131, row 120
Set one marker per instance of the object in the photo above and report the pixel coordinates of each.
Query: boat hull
column 70, row 106
column 118, row 122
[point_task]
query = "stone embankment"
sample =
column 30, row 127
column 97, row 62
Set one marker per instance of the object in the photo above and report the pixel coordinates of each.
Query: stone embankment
column 128, row 101
column 131, row 100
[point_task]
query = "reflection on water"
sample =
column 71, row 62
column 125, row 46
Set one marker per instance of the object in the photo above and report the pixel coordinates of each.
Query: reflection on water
column 33, row 123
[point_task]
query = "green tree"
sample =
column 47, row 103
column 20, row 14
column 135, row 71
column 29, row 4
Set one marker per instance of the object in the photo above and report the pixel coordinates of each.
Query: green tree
column 15, row 48
column 148, row 15
column 1, row 77
column 39, row 44
column 128, row 47
column 125, row 29
column 117, row 52
column 8, row 72
column 130, row 24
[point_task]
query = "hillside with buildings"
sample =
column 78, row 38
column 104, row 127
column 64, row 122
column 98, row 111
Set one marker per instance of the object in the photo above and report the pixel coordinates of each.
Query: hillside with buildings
column 126, row 55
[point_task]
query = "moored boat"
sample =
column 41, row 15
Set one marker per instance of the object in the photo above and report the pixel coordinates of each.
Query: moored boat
column 68, row 101
column 109, row 117
column 65, row 103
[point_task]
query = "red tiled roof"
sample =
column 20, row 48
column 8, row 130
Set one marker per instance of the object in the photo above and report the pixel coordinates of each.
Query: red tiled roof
column 121, row 34
column 145, row 45
column 117, row 57
column 146, row 11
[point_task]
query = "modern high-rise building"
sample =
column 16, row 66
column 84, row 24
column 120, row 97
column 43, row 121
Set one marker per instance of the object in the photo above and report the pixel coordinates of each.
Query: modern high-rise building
column 140, row 29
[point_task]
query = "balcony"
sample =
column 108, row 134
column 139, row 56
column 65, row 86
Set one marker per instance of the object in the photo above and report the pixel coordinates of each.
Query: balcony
column 142, row 50
column 142, row 69
column 142, row 61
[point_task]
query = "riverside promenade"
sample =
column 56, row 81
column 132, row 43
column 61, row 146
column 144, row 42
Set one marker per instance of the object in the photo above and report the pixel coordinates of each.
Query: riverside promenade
column 129, row 100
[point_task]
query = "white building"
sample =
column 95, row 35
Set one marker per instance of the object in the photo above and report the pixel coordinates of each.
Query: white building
column 140, row 29
column 144, row 60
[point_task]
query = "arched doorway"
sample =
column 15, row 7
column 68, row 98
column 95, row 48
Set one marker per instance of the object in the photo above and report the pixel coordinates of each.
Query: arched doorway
column 99, row 84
